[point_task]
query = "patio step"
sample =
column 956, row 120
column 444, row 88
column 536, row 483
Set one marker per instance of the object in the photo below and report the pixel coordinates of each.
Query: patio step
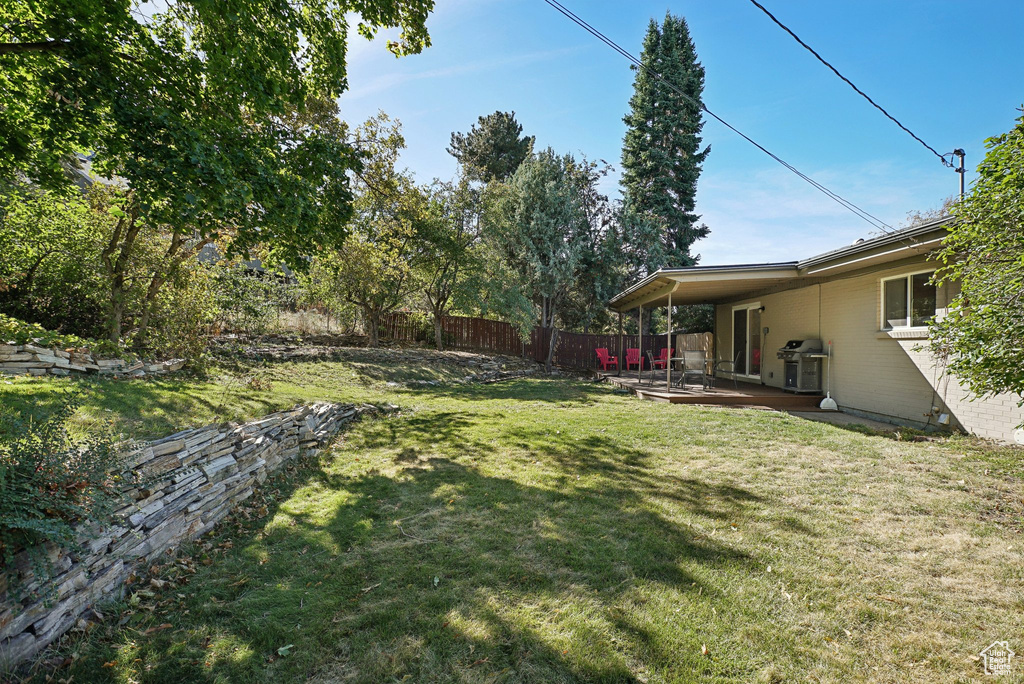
column 745, row 395
column 804, row 402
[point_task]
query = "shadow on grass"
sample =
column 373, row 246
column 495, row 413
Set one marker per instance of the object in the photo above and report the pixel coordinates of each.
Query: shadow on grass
column 149, row 407
column 438, row 571
column 539, row 389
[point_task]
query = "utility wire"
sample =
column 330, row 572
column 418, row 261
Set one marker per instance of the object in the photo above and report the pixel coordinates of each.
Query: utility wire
column 873, row 220
column 848, row 82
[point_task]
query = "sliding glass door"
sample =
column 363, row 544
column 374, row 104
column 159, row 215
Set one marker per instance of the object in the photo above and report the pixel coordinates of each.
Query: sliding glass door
column 746, row 340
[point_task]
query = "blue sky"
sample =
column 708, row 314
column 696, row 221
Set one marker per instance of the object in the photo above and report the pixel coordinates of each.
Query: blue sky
column 949, row 70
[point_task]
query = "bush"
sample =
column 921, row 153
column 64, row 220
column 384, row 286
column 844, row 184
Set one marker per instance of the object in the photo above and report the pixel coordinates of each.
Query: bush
column 182, row 317
column 52, row 485
column 50, row 271
column 53, row 273
column 248, row 300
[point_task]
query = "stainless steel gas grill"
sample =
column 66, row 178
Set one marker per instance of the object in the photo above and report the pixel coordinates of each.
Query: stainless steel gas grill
column 803, row 365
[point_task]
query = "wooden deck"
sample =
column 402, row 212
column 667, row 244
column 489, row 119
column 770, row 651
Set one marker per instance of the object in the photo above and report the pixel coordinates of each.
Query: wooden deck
column 746, row 394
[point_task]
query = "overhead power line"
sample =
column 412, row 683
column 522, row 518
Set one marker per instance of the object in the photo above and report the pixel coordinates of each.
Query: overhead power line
column 942, row 157
column 876, row 222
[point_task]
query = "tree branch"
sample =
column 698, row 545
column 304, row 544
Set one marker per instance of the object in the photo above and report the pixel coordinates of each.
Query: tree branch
column 41, row 46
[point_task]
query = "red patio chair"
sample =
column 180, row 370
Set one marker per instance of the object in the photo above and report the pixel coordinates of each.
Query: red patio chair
column 661, row 360
column 633, row 358
column 605, row 360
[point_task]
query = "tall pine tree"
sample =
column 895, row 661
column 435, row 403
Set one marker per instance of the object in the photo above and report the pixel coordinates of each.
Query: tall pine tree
column 661, row 154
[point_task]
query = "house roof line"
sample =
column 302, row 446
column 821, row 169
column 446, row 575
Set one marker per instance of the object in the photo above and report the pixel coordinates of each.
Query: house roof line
column 871, row 243
column 905, row 235
column 727, row 268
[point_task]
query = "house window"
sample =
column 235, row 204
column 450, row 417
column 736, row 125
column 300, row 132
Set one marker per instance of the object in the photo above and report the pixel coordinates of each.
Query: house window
column 908, row 301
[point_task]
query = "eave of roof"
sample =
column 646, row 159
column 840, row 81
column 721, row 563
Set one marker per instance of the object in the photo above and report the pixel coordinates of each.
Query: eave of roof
column 661, row 273
column 862, row 246
column 844, row 257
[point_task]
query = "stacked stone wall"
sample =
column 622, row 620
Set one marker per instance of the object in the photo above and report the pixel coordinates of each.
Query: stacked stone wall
column 29, row 359
column 189, row 482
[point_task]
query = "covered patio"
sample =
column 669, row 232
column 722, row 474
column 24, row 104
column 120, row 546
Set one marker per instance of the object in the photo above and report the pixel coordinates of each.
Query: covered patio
column 667, row 288
column 724, row 393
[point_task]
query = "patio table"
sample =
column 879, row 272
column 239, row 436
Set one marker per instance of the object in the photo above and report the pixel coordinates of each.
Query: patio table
column 678, row 382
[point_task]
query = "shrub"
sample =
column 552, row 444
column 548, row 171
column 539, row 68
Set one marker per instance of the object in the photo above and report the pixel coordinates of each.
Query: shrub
column 182, row 316
column 53, row 486
column 248, row 300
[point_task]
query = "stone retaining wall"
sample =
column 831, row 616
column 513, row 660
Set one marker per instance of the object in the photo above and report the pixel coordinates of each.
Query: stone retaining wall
column 190, row 481
column 29, row 359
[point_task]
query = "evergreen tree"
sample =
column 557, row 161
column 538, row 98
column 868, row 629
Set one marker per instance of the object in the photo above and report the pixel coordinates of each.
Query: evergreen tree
column 493, row 149
column 661, row 154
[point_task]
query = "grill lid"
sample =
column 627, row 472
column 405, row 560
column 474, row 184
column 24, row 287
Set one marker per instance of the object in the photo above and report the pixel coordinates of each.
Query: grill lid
column 802, row 347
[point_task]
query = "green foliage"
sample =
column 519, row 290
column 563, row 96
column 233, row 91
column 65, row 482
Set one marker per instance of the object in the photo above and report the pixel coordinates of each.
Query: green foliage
column 52, row 488
column 661, row 154
column 59, row 273
column 14, row 331
column 247, row 300
column 451, row 259
column 983, row 333
column 493, row 149
column 50, row 272
column 537, row 225
column 375, row 268
column 218, row 114
column 182, row 315
column 694, row 318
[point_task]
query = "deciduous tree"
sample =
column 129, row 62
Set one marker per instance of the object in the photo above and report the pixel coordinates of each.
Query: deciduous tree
column 450, row 242
column 375, row 268
column 201, row 108
column 983, row 334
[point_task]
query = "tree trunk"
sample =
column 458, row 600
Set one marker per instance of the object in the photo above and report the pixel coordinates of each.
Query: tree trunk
column 117, row 268
column 551, row 349
column 438, row 331
column 372, row 328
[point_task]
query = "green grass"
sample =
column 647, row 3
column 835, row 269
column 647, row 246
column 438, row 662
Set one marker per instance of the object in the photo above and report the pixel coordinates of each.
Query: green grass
column 550, row 530
column 153, row 407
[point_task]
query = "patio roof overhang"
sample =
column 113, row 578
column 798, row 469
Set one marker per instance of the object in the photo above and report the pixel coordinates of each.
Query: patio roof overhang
column 720, row 284
column 703, row 284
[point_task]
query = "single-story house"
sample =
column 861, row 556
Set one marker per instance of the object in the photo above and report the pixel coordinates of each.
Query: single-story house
column 872, row 300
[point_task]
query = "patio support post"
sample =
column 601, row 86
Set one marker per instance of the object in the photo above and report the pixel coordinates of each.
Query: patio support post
column 640, row 337
column 622, row 354
column 668, row 335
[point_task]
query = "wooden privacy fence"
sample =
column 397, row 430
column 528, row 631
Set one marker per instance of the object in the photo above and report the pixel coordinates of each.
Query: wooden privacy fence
column 458, row 332
column 572, row 350
column 578, row 350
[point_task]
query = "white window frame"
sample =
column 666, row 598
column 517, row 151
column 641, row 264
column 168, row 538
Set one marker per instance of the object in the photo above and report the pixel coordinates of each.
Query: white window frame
column 883, row 323
column 732, row 339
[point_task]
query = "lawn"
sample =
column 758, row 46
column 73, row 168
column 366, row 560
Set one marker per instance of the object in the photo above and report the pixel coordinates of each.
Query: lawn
column 230, row 390
column 550, row 530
